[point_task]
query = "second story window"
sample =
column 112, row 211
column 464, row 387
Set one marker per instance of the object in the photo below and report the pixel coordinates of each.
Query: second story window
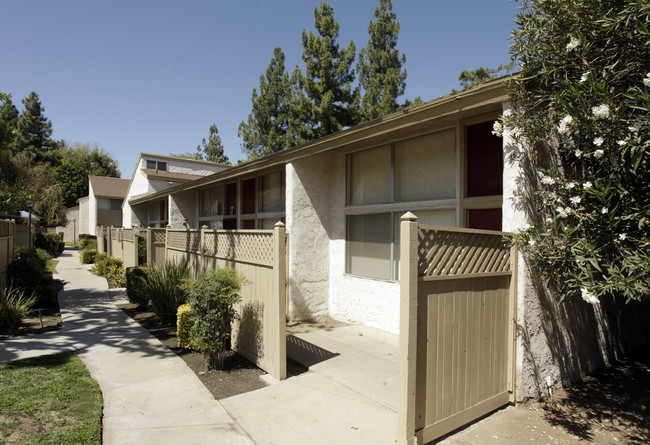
column 156, row 165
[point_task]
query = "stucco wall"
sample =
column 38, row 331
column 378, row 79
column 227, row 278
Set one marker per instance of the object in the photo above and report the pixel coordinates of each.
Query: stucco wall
column 71, row 230
column 307, row 214
column 183, row 207
column 92, row 209
column 84, row 228
column 353, row 299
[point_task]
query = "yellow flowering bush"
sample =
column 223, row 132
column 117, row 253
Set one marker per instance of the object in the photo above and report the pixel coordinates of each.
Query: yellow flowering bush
column 184, row 327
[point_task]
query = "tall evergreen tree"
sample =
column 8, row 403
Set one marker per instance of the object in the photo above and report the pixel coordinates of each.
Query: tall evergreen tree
column 329, row 76
column 300, row 111
column 381, row 73
column 265, row 131
column 8, row 123
column 34, row 131
column 212, row 150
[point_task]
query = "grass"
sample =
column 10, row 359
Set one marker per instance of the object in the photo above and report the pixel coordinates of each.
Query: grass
column 51, row 266
column 49, row 399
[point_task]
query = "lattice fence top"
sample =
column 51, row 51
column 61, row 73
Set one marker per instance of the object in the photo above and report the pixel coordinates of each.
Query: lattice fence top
column 114, row 233
column 178, row 240
column 254, row 247
column 158, row 235
column 452, row 253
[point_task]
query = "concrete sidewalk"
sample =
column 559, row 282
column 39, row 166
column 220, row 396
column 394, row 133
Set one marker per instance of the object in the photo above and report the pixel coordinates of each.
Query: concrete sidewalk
column 150, row 395
column 349, row 396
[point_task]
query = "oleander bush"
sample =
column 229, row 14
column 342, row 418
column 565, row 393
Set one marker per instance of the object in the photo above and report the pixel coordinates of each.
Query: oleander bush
column 49, row 241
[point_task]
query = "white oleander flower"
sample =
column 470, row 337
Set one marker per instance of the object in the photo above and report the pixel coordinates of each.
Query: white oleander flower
column 563, row 127
column 622, row 236
column 548, row 180
column 588, row 296
column 604, row 210
column 549, row 220
column 578, row 153
column 621, row 143
column 570, row 185
column 599, row 154
column 598, row 141
column 587, row 185
column 646, row 80
column 573, row 44
column 575, row 199
column 634, row 128
column 585, row 76
column 601, row 111
column 497, row 128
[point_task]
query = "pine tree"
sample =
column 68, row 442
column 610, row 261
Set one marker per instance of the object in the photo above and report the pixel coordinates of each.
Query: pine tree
column 8, row 123
column 380, row 66
column 265, row 132
column 34, row 131
column 212, row 150
column 329, row 76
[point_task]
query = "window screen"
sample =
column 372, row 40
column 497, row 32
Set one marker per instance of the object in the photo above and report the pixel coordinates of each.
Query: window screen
column 370, row 176
column 369, row 245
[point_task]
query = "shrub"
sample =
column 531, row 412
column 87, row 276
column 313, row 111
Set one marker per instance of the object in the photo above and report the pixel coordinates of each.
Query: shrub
column 184, row 327
column 27, row 272
column 212, row 296
column 142, row 250
column 116, row 276
column 87, row 256
column 51, row 242
column 163, row 287
column 100, row 264
column 88, row 242
column 15, row 304
column 135, row 290
column 44, row 255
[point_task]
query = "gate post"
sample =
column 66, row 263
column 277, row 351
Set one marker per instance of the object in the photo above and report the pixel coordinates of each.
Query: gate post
column 279, row 299
column 408, row 323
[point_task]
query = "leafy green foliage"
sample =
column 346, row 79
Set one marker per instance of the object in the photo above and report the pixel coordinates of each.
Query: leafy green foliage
column 75, row 164
column 87, row 256
column 28, row 271
column 162, row 286
column 53, row 400
column 142, row 250
column 49, row 241
column 380, row 66
column 582, row 116
column 471, row 78
column 212, row 296
column 136, row 291
column 87, row 241
column 15, row 304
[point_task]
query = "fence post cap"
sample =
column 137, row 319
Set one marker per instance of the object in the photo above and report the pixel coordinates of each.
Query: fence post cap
column 204, row 227
column 408, row 216
column 279, row 224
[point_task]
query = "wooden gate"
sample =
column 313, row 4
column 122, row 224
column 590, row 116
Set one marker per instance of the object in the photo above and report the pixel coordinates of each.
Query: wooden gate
column 457, row 328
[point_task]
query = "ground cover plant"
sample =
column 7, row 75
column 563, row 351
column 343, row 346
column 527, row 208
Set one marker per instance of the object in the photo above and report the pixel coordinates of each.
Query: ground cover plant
column 15, row 304
column 49, row 399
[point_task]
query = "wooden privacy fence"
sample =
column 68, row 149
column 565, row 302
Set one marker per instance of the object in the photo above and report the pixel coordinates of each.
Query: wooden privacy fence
column 118, row 242
column 457, row 328
column 7, row 234
column 261, row 256
column 156, row 239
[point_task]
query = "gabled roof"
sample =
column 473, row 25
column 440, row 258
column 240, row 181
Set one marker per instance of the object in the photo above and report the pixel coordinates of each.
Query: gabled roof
column 107, row 187
column 179, row 159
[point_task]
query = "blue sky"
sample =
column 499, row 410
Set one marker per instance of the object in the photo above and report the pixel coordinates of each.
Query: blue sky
column 152, row 76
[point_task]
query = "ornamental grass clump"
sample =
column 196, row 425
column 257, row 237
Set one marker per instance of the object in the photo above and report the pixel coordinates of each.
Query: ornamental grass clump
column 212, row 297
column 162, row 286
column 14, row 306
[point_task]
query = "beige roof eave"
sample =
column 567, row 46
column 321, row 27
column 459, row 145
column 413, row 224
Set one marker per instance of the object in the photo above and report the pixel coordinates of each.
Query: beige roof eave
column 399, row 125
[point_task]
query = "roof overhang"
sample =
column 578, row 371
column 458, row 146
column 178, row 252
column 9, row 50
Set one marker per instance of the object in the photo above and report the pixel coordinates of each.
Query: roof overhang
column 420, row 119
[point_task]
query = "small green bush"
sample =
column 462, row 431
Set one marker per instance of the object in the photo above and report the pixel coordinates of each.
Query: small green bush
column 49, row 241
column 212, row 296
column 15, row 304
column 100, row 264
column 89, row 242
column 163, row 287
column 44, row 255
column 135, row 290
column 87, row 256
column 27, row 272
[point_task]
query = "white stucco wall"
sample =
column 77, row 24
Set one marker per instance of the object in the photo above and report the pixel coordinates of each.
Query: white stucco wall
column 307, row 213
column 92, row 209
column 84, row 228
column 353, row 299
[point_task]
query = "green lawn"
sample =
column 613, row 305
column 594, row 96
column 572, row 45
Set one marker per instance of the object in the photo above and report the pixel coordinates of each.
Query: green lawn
column 51, row 266
column 49, row 399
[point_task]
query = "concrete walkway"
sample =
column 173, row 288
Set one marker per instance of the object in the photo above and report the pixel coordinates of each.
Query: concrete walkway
column 150, row 395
